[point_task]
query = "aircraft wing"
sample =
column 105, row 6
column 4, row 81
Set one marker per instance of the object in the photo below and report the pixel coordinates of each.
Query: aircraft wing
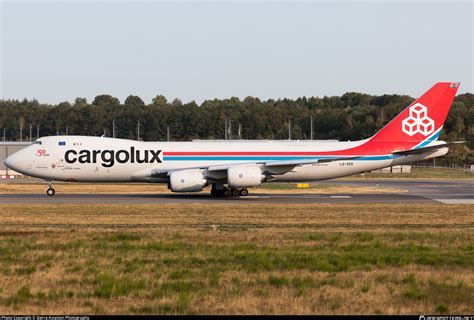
column 280, row 163
column 427, row 149
column 216, row 172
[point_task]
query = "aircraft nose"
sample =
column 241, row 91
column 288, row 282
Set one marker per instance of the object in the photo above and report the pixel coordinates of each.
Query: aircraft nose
column 8, row 162
column 11, row 162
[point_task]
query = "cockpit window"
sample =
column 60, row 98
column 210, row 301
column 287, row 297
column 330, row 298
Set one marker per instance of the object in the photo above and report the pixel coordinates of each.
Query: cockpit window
column 38, row 142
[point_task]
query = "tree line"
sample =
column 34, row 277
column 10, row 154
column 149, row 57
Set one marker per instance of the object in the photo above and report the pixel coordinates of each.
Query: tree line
column 352, row 116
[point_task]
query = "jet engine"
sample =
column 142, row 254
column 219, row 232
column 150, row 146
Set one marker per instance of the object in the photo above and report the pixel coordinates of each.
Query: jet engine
column 187, row 180
column 244, row 176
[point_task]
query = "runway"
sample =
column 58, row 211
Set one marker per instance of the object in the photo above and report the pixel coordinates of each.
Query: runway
column 444, row 191
column 418, row 191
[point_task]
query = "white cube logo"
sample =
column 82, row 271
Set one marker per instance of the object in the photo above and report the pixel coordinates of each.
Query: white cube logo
column 418, row 111
column 418, row 121
column 409, row 126
column 426, row 126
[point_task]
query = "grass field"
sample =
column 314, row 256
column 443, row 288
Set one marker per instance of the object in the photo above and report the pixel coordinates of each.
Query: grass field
column 227, row 259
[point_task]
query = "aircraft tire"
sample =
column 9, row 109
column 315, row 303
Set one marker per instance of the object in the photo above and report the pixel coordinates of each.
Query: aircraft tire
column 50, row 192
column 227, row 192
column 244, row 192
column 215, row 192
column 235, row 192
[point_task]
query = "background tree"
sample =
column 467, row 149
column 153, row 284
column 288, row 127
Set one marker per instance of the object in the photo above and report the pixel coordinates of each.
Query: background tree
column 134, row 101
column 80, row 102
column 177, row 102
column 159, row 101
column 105, row 100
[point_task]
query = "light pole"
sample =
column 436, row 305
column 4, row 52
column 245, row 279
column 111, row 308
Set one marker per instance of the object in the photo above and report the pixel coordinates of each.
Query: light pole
column 289, row 129
column 138, row 130
column 225, row 128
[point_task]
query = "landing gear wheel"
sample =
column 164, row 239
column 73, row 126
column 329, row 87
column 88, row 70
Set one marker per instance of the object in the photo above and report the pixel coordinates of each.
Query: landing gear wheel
column 235, row 192
column 227, row 192
column 217, row 190
column 50, row 192
column 244, row 192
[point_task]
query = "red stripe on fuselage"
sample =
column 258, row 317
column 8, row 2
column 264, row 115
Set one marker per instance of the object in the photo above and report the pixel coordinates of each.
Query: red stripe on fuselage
column 242, row 153
column 366, row 149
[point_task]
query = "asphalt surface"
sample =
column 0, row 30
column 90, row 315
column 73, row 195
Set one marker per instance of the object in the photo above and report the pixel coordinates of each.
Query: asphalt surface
column 445, row 191
column 418, row 191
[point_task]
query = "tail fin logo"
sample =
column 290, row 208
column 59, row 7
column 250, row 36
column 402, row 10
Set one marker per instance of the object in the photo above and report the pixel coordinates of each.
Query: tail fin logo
column 418, row 121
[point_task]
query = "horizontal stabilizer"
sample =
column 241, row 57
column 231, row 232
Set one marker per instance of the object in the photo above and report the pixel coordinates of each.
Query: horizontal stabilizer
column 427, row 149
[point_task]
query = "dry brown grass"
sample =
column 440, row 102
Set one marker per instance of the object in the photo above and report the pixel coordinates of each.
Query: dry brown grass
column 138, row 188
column 252, row 259
column 252, row 215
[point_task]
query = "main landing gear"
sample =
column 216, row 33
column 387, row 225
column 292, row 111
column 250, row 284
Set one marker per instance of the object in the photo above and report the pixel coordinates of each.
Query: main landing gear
column 50, row 191
column 228, row 192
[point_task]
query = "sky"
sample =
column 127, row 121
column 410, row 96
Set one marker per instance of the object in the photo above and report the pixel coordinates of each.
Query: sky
column 57, row 51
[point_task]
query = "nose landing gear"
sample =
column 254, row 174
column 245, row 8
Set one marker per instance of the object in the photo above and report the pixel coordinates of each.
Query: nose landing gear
column 50, row 191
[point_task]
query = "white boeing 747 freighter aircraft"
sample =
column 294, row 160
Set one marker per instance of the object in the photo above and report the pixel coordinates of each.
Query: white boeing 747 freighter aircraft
column 231, row 167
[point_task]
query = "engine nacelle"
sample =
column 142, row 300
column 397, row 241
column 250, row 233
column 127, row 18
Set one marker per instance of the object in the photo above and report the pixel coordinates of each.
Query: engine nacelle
column 244, row 176
column 187, row 180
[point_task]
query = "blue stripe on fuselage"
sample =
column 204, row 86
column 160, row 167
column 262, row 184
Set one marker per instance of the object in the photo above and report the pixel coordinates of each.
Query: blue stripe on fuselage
column 263, row 158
